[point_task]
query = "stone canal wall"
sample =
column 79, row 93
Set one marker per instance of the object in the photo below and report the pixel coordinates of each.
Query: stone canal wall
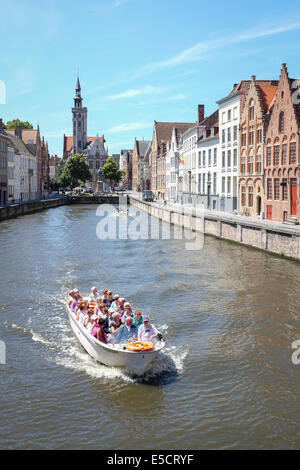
column 277, row 238
column 15, row 210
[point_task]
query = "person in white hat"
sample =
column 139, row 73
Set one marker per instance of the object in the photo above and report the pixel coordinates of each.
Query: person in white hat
column 146, row 331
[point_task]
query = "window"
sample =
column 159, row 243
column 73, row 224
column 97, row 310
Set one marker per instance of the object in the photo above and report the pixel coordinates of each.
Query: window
column 215, row 156
column 243, row 164
column 284, row 189
column 269, row 188
column 223, row 161
column 203, row 158
column 269, row 153
column 250, row 165
column 251, row 138
column 199, row 159
column 199, row 183
column 258, row 163
column 235, row 133
column 229, row 159
column 293, row 152
column 203, row 184
column 276, row 188
column 243, row 195
column 229, row 115
column 281, row 122
column 251, row 110
column 223, row 184
column 223, row 136
column 259, row 136
column 229, row 134
column 250, row 196
column 283, row 154
column 223, row 117
column 243, row 139
column 215, row 183
column 276, row 154
column 235, row 113
column 234, row 158
column 209, row 157
column 228, row 185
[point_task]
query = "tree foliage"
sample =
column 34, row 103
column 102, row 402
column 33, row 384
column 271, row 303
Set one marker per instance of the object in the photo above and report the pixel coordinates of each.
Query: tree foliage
column 55, row 182
column 75, row 171
column 16, row 122
column 111, row 171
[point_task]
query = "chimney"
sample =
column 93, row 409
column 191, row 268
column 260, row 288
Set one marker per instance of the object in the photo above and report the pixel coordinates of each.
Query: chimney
column 200, row 116
column 253, row 78
column 18, row 131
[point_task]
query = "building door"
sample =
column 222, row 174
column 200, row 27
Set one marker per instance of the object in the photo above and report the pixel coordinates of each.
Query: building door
column 293, row 196
column 269, row 212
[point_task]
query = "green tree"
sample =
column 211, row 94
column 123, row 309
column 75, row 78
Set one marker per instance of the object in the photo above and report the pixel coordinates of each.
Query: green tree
column 55, row 182
column 75, row 171
column 111, row 171
column 16, row 122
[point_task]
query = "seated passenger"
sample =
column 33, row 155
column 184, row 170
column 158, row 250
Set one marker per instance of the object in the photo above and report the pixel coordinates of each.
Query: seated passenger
column 116, row 303
column 104, row 296
column 77, row 299
column 120, row 309
column 98, row 331
column 127, row 332
column 71, row 297
column 88, row 322
column 127, row 311
column 116, row 323
column 99, row 309
column 147, row 332
column 81, row 312
column 109, row 299
column 137, row 319
column 93, row 295
column 107, row 319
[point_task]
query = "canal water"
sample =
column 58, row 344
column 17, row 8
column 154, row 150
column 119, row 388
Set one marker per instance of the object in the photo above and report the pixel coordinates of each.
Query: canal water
column 229, row 315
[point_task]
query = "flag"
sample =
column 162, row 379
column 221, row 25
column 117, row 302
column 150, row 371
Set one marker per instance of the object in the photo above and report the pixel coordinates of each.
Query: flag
column 181, row 160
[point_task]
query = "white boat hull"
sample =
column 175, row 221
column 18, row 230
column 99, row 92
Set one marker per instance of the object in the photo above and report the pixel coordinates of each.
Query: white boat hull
column 114, row 355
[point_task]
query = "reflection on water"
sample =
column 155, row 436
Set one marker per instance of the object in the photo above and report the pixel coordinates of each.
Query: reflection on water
column 228, row 313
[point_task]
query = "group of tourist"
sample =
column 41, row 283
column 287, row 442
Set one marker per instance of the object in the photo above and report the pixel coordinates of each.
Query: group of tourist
column 110, row 319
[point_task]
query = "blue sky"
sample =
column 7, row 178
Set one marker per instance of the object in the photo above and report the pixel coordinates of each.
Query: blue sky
column 138, row 60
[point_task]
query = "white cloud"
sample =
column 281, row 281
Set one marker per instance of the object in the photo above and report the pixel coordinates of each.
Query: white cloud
column 202, row 49
column 132, row 126
column 147, row 90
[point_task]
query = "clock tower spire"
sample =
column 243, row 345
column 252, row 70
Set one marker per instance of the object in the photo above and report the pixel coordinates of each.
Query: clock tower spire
column 79, row 121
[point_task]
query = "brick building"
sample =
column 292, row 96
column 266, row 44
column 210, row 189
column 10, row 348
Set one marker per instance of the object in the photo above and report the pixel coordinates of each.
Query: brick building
column 281, row 195
column 140, row 159
column 39, row 147
column 259, row 99
column 3, row 167
column 162, row 135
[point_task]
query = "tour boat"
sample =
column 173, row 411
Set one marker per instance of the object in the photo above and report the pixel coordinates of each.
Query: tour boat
column 114, row 355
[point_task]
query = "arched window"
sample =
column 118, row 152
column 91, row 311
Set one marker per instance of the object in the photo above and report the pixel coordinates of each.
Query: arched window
column 281, row 122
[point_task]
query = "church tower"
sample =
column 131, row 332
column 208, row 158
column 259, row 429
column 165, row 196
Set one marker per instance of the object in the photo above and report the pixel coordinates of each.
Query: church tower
column 79, row 122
